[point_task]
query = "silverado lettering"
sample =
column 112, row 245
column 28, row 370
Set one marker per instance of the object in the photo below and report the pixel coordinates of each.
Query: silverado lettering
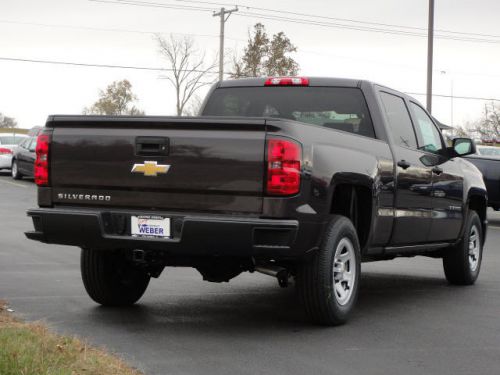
column 86, row 197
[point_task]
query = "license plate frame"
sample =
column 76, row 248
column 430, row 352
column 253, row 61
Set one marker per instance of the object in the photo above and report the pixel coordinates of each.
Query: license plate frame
column 150, row 226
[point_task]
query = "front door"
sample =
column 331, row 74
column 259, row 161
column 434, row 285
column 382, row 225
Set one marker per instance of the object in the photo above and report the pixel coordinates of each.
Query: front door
column 447, row 179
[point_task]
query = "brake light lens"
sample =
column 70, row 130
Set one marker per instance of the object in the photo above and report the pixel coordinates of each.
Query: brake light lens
column 42, row 160
column 287, row 81
column 4, row 151
column 283, row 167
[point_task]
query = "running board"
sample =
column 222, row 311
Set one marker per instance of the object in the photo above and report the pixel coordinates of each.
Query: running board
column 415, row 248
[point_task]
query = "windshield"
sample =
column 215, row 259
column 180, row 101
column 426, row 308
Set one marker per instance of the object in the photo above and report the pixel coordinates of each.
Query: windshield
column 489, row 151
column 11, row 140
column 340, row 108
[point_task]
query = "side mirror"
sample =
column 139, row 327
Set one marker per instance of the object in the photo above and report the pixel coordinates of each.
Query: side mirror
column 463, row 146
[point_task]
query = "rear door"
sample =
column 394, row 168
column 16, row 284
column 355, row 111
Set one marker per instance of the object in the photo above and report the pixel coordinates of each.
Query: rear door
column 25, row 161
column 19, row 154
column 197, row 164
column 413, row 202
column 447, row 179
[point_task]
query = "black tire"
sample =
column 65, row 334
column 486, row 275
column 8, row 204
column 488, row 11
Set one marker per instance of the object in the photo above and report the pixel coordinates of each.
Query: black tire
column 315, row 279
column 110, row 279
column 14, row 170
column 461, row 265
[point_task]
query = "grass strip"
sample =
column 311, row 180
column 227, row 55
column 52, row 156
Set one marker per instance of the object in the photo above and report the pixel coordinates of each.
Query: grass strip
column 31, row 349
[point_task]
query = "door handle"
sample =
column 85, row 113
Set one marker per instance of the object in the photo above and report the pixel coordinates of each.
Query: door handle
column 437, row 170
column 403, row 164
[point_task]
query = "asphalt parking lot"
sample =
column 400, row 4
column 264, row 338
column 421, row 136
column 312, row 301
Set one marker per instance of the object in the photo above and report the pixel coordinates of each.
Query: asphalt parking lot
column 408, row 319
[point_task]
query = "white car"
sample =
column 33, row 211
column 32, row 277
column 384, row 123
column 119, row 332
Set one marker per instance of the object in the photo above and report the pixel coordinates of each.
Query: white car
column 8, row 141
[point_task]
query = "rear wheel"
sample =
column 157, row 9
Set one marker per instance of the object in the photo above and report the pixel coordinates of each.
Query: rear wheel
column 16, row 175
column 328, row 284
column 462, row 262
column 110, row 279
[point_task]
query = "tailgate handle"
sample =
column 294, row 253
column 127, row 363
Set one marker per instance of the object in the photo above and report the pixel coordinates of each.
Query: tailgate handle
column 152, row 146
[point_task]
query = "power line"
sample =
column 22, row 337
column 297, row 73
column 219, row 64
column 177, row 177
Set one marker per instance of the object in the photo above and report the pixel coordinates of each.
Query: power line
column 147, row 68
column 118, row 30
column 281, row 11
column 146, row 32
column 54, row 62
column 154, row 5
column 456, row 97
column 360, row 28
column 313, row 22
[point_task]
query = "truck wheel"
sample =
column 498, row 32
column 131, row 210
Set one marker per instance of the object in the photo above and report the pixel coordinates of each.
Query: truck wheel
column 14, row 170
column 110, row 280
column 462, row 262
column 328, row 284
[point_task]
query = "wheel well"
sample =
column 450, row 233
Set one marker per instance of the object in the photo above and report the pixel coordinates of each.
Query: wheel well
column 354, row 202
column 478, row 204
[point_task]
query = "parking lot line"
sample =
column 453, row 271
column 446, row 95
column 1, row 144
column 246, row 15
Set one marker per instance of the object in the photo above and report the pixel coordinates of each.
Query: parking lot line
column 13, row 183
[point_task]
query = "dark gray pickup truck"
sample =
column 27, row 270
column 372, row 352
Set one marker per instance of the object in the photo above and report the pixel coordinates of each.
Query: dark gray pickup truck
column 298, row 178
column 489, row 166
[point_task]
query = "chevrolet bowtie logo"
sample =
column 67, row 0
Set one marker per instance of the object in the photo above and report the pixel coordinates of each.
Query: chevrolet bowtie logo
column 150, row 168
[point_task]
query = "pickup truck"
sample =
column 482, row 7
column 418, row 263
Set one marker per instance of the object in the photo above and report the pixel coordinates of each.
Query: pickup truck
column 298, row 178
column 487, row 160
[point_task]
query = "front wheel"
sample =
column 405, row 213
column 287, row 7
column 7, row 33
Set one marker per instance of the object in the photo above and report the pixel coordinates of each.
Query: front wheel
column 462, row 262
column 110, row 279
column 14, row 170
column 328, row 284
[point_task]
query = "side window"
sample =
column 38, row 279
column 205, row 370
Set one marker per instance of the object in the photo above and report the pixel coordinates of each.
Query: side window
column 429, row 136
column 400, row 124
column 32, row 145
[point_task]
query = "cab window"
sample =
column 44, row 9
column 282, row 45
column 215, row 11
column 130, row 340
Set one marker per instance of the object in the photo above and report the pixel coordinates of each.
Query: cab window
column 428, row 135
column 399, row 120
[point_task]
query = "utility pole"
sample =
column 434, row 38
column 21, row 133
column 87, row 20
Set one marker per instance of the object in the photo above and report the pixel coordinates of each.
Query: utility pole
column 430, row 47
column 223, row 18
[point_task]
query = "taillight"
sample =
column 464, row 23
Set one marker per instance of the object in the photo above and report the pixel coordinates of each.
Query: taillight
column 283, row 166
column 287, row 81
column 4, row 151
column 42, row 160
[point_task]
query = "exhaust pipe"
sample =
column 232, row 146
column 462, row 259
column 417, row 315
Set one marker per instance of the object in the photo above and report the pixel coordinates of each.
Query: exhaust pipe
column 279, row 272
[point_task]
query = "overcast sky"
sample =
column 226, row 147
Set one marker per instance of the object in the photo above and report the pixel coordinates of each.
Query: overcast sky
column 71, row 30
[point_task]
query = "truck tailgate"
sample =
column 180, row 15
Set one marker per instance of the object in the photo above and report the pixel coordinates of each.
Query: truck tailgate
column 202, row 164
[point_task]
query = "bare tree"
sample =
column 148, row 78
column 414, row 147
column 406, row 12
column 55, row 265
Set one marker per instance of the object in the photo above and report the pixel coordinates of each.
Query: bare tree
column 189, row 70
column 193, row 108
column 489, row 125
column 7, row 122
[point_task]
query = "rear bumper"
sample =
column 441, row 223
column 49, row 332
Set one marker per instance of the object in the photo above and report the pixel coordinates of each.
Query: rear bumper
column 5, row 161
column 191, row 234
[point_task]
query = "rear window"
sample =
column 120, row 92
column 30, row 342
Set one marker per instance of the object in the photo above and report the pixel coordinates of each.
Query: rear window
column 11, row 140
column 341, row 108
